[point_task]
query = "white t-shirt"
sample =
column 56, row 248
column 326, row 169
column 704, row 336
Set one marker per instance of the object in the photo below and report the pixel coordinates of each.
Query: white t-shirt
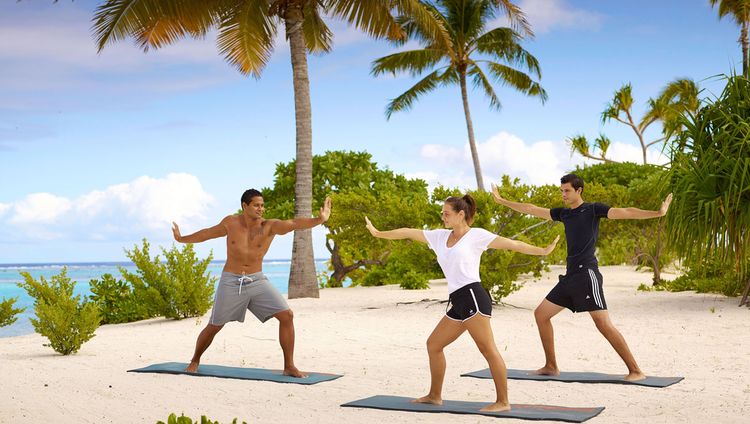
column 459, row 263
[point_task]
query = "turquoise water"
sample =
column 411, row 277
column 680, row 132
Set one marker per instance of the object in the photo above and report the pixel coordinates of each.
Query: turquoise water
column 276, row 270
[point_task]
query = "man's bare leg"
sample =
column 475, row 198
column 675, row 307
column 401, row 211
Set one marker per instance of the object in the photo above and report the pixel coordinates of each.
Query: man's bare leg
column 205, row 338
column 543, row 315
column 615, row 338
column 481, row 331
column 445, row 333
column 286, row 340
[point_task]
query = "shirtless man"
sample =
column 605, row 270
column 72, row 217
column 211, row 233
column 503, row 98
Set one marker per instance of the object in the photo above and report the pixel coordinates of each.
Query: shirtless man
column 243, row 285
column 580, row 289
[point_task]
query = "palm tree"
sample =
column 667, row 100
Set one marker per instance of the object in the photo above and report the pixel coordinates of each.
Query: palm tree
column 740, row 11
column 709, row 221
column 468, row 46
column 675, row 100
column 246, row 34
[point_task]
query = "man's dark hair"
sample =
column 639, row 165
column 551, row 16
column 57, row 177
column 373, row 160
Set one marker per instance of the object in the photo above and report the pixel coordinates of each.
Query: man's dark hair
column 574, row 180
column 248, row 195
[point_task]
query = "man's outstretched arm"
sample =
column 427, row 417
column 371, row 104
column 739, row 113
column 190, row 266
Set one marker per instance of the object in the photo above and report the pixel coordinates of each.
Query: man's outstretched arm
column 635, row 213
column 526, row 208
column 216, row 231
column 282, row 227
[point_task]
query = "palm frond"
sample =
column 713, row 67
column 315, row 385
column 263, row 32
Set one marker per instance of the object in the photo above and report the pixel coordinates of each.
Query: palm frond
column 622, row 101
column 480, row 80
column 246, row 36
column 413, row 61
column 425, row 85
column 318, row 37
column 152, row 23
column 515, row 15
column 503, row 43
column 516, row 79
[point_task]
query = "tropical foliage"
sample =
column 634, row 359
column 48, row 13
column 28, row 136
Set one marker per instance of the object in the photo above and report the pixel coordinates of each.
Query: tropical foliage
column 246, row 35
column 178, row 287
column 710, row 219
column 471, row 50
column 8, row 312
column 739, row 10
column 65, row 320
column 676, row 99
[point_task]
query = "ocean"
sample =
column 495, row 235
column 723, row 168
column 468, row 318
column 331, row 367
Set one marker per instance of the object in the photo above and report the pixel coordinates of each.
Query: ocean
column 83, row 272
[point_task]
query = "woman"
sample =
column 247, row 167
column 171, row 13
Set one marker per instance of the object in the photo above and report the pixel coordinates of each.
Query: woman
column 459, row 250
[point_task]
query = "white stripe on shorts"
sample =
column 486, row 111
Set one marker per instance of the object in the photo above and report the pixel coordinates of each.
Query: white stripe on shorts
column 595, row 289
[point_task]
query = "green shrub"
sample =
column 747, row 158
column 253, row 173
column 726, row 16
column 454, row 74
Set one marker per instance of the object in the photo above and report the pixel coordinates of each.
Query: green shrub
column 8, row 312
column 65, row 320
column 116, row 301
column 177, row 288
column 182, row 419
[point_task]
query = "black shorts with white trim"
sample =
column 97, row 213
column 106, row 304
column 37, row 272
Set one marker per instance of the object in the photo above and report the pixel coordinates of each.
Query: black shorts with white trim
column 468, row 301
column 580, row 291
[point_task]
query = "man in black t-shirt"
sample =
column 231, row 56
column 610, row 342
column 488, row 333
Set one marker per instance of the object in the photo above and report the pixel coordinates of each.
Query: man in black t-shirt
column 580, row 289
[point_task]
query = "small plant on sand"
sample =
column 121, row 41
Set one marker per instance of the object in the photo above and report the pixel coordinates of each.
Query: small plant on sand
column 64, row 319
column 8, row 312
column 177, row 287
column 116, row 301
column 182, row 419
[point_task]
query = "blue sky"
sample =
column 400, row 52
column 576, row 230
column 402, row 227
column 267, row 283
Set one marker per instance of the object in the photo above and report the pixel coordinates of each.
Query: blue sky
column 98, row 151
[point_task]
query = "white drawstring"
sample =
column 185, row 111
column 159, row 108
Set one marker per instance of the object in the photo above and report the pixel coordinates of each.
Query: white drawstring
column 242, row 279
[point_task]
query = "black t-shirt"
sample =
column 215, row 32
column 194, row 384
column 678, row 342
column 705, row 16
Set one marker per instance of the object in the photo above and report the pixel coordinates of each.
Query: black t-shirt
column 581, row 232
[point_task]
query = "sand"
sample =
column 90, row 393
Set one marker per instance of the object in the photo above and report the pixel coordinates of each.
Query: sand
column 378, row 344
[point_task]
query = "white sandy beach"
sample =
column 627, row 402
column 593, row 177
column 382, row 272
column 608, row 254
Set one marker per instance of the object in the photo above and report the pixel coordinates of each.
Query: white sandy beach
column 378, row 344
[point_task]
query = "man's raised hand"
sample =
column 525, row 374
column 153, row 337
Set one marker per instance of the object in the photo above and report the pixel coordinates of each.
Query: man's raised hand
column 370, row 227
column 496, row 194
column 176, row 231
column 665, row 205
column 551, row 247
column 325, row 211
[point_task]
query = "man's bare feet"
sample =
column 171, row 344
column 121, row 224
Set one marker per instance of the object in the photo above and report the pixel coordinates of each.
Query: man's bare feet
column 294, row 372
column 635, row 376
column 428, row 399
column 496, row 407
column 192, row 367
column 546, row 371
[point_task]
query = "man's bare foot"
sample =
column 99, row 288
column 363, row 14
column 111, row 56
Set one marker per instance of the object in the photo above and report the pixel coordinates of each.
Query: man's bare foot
column 546, row 371
column 496, row 407
column 635, row 376
column 428, row 399
column 294, row 372
column 192, row 367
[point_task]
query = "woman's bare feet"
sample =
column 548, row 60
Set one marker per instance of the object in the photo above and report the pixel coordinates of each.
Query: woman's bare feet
column 192, row 367
column 496, row 407
column 546, row 370
column 635, row 376
column 428, row 399
column 294, row 372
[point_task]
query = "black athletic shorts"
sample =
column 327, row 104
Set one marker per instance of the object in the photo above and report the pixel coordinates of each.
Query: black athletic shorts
column 579, row 291
column 467, row 301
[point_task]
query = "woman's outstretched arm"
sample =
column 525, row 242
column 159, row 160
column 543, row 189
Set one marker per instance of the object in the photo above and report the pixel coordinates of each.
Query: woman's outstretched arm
column 397, row 234
column 521, row 247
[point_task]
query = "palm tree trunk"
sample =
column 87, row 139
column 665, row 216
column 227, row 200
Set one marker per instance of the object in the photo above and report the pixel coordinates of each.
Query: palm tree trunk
column 302, row 279
column 470, row 129
column 744, row 43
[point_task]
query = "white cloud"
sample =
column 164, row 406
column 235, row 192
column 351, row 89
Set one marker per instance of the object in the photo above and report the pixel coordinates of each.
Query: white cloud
column 39, row 208
column 140, row 208
column 537, row 163
column 623, row 152
column 541, row 162
column 548, row 15
column 4, row 208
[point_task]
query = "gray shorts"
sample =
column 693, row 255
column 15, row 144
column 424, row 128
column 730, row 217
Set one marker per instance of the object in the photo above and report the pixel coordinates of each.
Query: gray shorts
column 237, row 293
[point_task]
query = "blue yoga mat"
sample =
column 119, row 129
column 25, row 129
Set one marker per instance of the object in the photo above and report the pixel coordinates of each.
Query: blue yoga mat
column 579, row 377
column 525, row 412
column 236, row 372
